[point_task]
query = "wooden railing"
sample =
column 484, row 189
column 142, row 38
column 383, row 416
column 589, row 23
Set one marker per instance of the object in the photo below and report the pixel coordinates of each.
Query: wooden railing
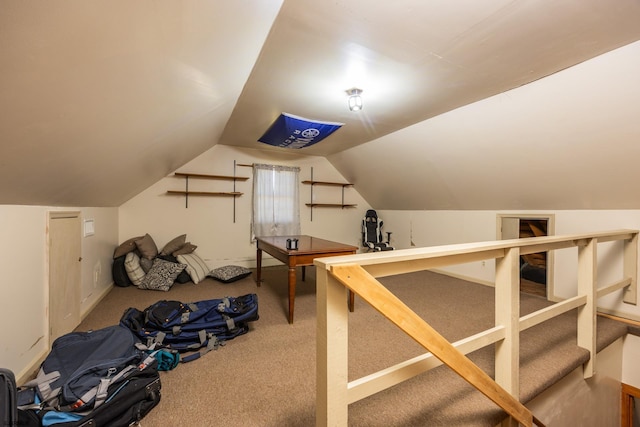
column 359, row 273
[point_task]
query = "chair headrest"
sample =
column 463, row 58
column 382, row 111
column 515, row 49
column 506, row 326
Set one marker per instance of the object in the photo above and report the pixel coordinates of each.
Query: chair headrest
column 371, row 214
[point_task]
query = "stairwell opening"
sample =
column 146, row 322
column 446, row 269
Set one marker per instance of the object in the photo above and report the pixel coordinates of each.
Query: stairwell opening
column 536, row 270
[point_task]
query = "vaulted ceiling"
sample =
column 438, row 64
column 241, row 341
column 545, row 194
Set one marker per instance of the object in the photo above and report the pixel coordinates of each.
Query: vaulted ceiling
column 101, row 99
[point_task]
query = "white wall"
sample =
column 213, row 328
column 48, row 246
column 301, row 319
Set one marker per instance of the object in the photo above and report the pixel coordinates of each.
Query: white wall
column 208, row 221
column 97, row 255
column 431, row 228
column 24, row 297
column 630, row 371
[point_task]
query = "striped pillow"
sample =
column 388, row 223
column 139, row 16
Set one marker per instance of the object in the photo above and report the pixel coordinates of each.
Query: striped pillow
column 133, row 268
column 196, row 267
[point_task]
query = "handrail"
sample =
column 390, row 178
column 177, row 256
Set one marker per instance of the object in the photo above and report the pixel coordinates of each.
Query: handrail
column 368, row 288
column 358, row 273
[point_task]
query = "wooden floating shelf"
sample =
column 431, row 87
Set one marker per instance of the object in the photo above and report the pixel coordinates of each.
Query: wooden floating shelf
column 330, row 205
column 333, row 184
column 205, row 176
column 343, row 185
column 186, row 192
column 204, row 193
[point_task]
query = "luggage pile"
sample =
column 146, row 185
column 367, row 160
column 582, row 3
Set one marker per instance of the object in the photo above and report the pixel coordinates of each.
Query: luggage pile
column 109, row 377
column 188, row 327
column 97, row 378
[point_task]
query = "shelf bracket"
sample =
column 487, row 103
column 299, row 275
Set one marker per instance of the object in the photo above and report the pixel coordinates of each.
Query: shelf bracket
column 312, row 194
column 234, row 190
column 186, row 192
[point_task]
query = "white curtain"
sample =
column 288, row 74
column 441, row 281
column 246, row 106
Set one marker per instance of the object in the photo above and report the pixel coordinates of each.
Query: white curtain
column 276, row 201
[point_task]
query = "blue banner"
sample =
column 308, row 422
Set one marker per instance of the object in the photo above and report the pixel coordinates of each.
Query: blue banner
column 291, row 131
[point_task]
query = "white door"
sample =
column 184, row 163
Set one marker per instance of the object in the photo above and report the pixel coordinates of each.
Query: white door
column 510, row 228
column 64, row 273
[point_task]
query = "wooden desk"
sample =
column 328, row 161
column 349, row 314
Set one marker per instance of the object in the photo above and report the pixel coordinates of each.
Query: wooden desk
column 309, row 248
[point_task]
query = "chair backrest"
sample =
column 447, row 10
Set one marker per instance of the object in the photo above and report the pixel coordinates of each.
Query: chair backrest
column 371, row 228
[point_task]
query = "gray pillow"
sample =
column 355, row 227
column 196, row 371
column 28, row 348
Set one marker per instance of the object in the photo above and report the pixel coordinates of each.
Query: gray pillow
column 126, row 247
column 162, row 275
column 230, row 273
column 147, row 247
column 187, row 248
column 146, row 264
column 174, row 245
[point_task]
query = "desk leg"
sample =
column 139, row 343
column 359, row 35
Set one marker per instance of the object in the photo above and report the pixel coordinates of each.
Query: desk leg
column 304, row 271
column 259, row 267
column 351, row 300
column 292, row 291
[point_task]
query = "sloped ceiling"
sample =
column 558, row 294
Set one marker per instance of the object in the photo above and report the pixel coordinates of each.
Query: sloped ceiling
column 565, row 142
column 101, row 99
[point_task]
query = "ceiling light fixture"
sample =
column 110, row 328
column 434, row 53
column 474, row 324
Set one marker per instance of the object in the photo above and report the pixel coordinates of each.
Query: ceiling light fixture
column 355, row 100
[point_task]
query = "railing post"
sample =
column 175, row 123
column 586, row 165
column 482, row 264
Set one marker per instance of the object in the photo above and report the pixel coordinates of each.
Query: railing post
column 507, row 301
column 587, row 274
column 331, row 350
column 631, row 269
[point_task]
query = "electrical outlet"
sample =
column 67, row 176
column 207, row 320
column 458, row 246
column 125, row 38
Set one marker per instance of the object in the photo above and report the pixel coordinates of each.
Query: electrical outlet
column 484, row 263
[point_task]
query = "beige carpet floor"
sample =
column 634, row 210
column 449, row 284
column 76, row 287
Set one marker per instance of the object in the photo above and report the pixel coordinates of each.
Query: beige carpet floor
column 266, row 378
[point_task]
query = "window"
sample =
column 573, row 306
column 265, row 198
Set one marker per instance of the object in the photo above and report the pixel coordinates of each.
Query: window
column 276, row 201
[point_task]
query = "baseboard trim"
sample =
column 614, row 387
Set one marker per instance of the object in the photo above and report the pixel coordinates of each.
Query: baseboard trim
column 96, row 301
column 463, row 277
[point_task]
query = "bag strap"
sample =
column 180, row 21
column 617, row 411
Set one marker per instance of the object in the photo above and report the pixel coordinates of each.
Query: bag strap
column 42, row 383
column 212, row 344
column 101, row 391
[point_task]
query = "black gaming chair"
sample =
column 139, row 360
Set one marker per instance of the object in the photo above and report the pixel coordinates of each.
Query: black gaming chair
column 372, row 233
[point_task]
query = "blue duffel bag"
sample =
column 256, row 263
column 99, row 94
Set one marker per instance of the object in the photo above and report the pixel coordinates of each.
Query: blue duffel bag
column 186, row 327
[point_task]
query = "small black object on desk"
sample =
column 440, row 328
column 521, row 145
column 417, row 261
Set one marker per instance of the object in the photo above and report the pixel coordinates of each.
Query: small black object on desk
column 292, row 244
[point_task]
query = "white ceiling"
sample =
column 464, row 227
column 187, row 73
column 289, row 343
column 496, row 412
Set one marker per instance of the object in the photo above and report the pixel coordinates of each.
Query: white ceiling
column 101, row 99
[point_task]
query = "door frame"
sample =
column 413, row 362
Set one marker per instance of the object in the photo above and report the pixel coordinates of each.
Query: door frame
column 628, row 406
column 551, row 231
column 53, row 215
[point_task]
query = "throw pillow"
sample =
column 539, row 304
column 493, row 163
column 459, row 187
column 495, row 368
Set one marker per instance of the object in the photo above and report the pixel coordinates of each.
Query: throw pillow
column 162, row 275
column 196, row 267
column 119, row 272
column 146, row 264
column 230, row 273
column 126, row 247
column 134, row 270
column 187, row 248
column 147, row 247
column 183, row 277
column 174, row 245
